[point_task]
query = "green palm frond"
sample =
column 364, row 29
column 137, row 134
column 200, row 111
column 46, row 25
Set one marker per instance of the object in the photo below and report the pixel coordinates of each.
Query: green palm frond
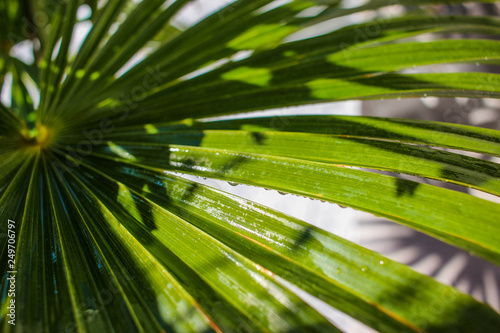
column 108, row 237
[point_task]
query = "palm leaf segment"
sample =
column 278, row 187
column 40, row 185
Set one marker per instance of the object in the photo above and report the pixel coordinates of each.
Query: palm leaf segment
column 109, row 238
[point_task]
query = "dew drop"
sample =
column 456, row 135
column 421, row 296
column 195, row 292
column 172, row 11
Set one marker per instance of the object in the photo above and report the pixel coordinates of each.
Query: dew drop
column 485, row 58
column 233, row 183
column 364, row 269
column 381, row 262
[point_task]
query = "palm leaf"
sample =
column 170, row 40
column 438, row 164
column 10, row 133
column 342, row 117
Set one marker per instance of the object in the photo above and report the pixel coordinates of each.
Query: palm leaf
column 108, row 238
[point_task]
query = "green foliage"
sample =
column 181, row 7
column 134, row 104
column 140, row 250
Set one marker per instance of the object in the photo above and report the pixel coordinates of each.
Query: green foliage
column 109, row 239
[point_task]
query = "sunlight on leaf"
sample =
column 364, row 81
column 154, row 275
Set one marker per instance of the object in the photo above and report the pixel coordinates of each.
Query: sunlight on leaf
column 120, row 151
column 261, row 36
column 256, row 76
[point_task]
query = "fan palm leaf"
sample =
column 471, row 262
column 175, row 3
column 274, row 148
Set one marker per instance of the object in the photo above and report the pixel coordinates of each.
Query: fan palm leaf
column 108, row 235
